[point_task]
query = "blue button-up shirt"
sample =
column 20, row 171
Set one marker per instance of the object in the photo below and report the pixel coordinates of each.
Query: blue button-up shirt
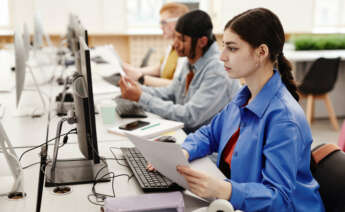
column 209, row 92
column 270, row 164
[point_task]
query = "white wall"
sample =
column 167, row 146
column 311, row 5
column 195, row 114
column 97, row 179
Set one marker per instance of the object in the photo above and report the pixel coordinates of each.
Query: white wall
column 98, row 16
column 295, row 15
column 109, row 16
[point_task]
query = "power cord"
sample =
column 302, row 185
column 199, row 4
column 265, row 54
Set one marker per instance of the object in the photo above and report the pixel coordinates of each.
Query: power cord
column 99, row 196
column 28, row 166
column 64, row 134
column 117, row 159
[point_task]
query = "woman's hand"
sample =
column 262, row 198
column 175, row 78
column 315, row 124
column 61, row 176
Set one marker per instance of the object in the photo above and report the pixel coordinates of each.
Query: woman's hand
column 131, row 72
column 204, row 185
column 150, row 168
column 130, row 89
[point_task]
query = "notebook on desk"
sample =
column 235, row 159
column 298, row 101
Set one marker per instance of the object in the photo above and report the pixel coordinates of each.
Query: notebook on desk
column 155, row 127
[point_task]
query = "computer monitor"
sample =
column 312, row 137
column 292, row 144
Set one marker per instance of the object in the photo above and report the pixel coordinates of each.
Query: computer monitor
column 31, row 108
column 70, row 32
column 89, row 149
column 26, row 39
column 75, row 29
column 39, row 33
column 16, row 191
column 85, row 170
column 19, row 64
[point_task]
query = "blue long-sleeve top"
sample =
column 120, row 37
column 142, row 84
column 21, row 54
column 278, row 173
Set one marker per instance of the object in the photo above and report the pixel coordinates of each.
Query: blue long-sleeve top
column 270, row 165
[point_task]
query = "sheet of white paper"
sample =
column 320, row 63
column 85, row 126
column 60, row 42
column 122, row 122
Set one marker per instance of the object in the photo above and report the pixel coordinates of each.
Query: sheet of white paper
column 206, row 166
column 109, row 54
column 163, row 156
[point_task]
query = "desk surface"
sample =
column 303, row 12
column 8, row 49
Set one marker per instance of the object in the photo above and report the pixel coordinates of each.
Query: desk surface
column 26, row 132
column 77, row 199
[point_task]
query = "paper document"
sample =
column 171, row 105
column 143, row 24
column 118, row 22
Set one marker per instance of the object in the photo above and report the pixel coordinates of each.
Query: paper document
column 163, row 156
column 109, row 54
column 155, row 128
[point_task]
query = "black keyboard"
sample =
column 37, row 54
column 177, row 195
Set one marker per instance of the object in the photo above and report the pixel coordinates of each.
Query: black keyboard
column 149, row 181
column 129, row 109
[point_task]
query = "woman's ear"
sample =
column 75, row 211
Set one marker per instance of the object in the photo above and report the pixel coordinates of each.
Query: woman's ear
column 262, row 52
column 202, row 42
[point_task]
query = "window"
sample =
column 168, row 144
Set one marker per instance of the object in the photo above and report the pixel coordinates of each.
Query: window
column 4, row 13
column 329, row 16
column 143, row 15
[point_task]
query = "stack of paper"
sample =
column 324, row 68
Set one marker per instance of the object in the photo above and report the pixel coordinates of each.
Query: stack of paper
column 155, row 128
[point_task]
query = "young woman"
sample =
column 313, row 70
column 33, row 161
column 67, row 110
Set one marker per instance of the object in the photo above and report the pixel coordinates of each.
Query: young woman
column 262, row 136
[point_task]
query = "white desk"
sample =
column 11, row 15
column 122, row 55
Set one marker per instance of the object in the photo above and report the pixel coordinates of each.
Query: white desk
column 77, row 200
column 30, row 183
column 26, row 131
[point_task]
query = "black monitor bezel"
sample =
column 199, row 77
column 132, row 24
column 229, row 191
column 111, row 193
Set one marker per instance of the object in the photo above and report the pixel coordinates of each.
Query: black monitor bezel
column 90, row 120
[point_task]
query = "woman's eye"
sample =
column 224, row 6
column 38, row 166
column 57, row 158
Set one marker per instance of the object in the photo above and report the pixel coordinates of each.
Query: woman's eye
column 232, row 49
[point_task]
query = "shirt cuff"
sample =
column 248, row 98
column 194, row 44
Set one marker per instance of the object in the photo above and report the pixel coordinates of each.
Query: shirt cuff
column 237, row 195
column 144, row 88
column 188, row 150
column 144, row 98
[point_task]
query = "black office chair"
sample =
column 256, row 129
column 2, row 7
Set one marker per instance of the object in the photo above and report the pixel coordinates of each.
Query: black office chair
column 146, row 58
column 328, row 168
column 320, row 80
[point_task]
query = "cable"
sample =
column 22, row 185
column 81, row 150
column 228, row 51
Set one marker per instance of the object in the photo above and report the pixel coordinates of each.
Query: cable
column 117, row 159
column 111, row 158
column 28, row 166
column 45, row 143
column 96, row 180
column 103, row 196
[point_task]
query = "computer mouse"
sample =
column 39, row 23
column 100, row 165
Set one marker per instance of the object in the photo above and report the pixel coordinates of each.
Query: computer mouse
column 167, row 139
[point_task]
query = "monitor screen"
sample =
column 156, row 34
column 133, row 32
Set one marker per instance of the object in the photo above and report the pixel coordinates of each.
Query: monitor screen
column 38, row 32
column 86, row 72
column 26, row 39
column 19, row 64
column 84, row 105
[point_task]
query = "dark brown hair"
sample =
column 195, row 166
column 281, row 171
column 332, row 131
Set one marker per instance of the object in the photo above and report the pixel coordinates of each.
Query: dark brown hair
column 196, row 24
column 261, row 26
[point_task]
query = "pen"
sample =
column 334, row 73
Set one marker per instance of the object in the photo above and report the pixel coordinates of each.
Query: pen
column 148, row 127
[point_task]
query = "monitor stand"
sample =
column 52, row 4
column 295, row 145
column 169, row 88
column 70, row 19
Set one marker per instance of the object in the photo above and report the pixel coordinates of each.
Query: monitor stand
column 17, row 191
column 32, row 110
column 76, row 171
column 73, row 171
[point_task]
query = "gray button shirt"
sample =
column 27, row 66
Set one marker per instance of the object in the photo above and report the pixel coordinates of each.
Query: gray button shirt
column 210, row 90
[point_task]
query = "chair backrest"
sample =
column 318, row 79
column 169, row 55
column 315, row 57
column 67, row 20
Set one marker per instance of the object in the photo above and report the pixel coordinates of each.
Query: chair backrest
column 146, row 58
column 341, row 141
column 321, row 76
column 328, row 168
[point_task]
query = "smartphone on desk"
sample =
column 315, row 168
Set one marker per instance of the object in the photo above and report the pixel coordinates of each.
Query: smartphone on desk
column 134, row 125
